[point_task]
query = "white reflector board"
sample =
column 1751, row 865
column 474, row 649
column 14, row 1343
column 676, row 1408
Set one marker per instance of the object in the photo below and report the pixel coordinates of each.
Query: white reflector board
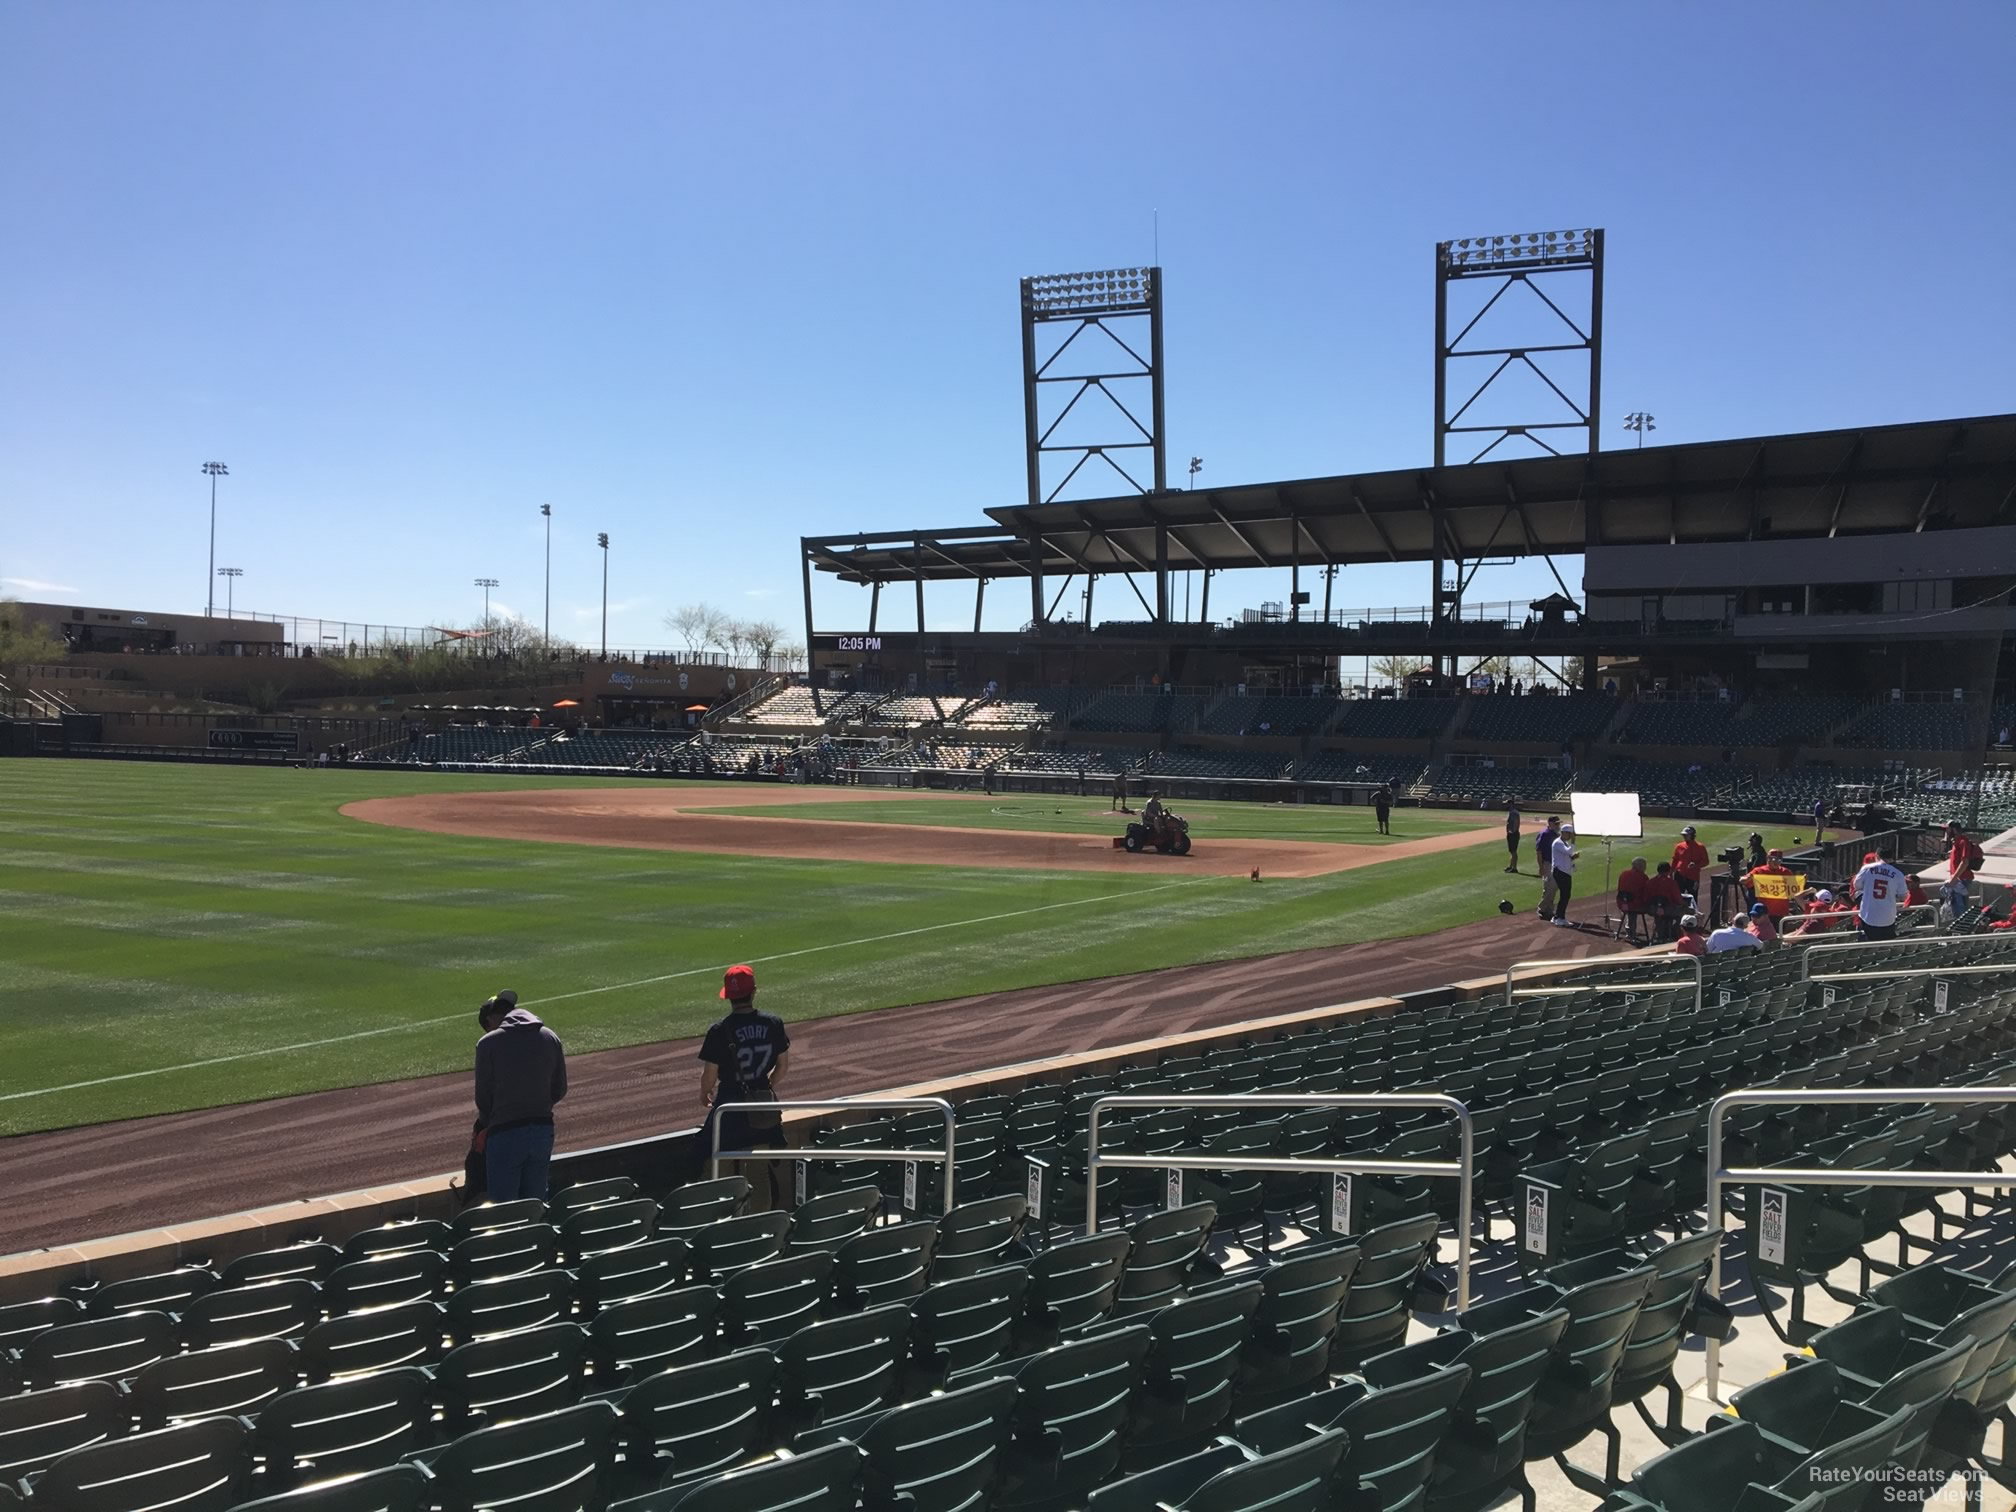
column 1607, row 816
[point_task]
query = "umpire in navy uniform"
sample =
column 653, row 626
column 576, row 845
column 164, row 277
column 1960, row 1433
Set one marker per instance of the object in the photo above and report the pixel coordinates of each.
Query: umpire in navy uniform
column 745, row 1057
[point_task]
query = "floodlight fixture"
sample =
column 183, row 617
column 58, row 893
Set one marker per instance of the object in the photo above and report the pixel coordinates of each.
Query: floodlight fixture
column 214, row 470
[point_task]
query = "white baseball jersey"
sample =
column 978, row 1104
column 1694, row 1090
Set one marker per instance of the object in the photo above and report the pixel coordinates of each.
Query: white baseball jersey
column 1880, row 890
column 1564, row 858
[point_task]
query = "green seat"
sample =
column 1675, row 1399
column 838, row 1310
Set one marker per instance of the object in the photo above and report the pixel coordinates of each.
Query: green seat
column 165, row 1291
column 606, row 1226
column 1237, row 1197
column 1193, row 1359
column 767, row 1303
column 379, row 1339
column 825, row 1480
column 1840, row 1473
column 511, row 1376
column 1378, row 1305
column 969, row 1322
column 1073, row 1284
column 1299, row 1478
column 977, row 1236
column 385, row 1280
column 293, row 1262
column 831, row 1221
column 700, row 1203
column 493, row 1254
column 731, row 1244
column 629, row 1274
column 844, row 1367
column 1165, row 1248
column 1070, row 1414
column 97, row 1349
column 281, row 1309
column 586, row 1194
column 193, row 1467
column 1484, row 1453
column 1675, row 1304
column 509, row 1304
column 941, row 1454
column 1811, row 1406
column 887, row 1264
column 227, row 1380
column 1394, row 1434
column 38, row 1427
column 344, row 1427
column 699, row 1419
column 398, row 1238
column 554, row 1462
column 1574, row 1395
column 1289, row 1345
column 487, row 1217
column 1871, row 1348
column 635, row 1339
column 21, row 1321
column 395, row 1488
column 1943, row 1304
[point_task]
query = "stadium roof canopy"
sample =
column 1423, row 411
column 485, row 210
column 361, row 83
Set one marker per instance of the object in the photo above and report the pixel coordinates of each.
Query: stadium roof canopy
column 1927, row 475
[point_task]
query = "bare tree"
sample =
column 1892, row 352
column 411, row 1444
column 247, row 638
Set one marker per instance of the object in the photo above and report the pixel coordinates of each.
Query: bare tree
column 762, row 638
column 734, row 637
column 701, row 626
column 23, row 645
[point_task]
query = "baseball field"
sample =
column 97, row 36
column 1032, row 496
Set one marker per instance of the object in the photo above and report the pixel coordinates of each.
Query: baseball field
column 179, row 937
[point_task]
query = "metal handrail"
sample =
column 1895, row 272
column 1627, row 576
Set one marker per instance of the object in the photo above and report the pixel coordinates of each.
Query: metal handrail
column 1753, row 1097
column 910, row 1158
column 1461, row 1168
column 1883, row 973
column 1700, row 975
column 1835, row 947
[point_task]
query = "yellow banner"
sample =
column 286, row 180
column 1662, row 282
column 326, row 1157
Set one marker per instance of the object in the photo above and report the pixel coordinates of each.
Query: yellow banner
column 1777, row 886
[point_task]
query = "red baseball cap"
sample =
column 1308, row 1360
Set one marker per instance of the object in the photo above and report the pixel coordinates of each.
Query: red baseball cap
column 738, row 983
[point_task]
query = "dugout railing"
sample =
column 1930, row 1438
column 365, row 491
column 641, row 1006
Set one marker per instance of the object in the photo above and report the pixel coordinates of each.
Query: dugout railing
column 809, row 1154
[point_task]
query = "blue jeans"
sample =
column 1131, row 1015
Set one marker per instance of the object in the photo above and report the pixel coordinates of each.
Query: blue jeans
column 515, row 1161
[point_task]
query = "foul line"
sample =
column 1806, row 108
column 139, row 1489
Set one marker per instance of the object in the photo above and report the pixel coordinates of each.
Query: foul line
column 561, row 997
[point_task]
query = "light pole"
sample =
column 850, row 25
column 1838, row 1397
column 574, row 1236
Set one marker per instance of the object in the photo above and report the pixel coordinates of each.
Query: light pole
column 230, row 576
column 486, row 584
column 1640, row 422
column 546, row 630
column 1196, row 466
column 602, row 540
column 216, row 470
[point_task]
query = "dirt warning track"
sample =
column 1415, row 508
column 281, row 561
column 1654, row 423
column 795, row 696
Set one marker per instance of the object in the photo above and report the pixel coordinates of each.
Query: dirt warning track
column 668, row 821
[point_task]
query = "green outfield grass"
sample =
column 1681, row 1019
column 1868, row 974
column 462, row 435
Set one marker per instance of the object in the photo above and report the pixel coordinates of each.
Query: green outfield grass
column 1053, row 815
column 181, row 936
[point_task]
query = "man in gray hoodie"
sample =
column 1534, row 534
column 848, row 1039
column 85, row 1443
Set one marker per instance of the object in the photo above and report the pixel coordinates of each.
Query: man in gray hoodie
column 521, row 1072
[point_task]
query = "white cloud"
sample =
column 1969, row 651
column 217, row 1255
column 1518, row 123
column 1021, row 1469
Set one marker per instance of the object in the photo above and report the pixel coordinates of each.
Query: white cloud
column 36, row 585
column 759, row 593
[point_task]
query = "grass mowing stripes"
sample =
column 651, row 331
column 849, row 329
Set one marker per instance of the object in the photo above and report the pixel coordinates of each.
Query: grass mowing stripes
column 155, row 915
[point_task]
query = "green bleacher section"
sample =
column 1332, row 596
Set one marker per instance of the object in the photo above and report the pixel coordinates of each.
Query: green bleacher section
column 1400, row 772
column 1707, row 722
column 1535, row 718
column 1395, row 718
column 1916, row 726
column 1489, row 787
column 1268, row 716
column 1244, row 766
column 1226, row 1340
column 1660, row 784
column 1136, row 713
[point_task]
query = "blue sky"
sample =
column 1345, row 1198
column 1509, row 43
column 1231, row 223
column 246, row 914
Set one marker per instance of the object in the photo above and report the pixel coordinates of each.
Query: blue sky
column 712, row 277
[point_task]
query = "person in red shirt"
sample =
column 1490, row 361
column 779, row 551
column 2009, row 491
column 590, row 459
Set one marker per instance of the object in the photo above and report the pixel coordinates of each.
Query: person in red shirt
column 1964, row 855
column 1764, row 926
column 1690, row 859
column 1693, row 939
column 1916, row 893
column 1826, row 914
column 1662, row 900
column 1774, row 866
column 1631, row 896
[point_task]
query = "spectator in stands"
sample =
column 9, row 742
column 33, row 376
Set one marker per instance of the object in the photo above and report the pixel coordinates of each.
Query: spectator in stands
column 1632, row 888
column 1953, row 901
column 1693, row 940
column 1382, row 808
column 1764, row 926
column 1690, row 859
column 1826, row 913
column 1758, row 855
column 745, row 1057
column 1879, row 890
column 1914, row 890
column 1512, row 836
column 1770, row 884
column 1543, row 853
column 1963, row 855
column 521, row 1072
column 1565, row 856
column 1664, row 901
column 1732, row 936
